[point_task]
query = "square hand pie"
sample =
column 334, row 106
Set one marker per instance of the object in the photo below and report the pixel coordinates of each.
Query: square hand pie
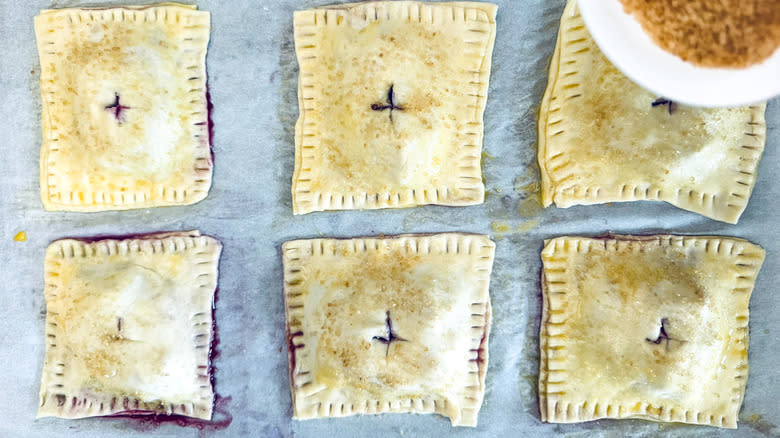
column 649, row 327
column 603, row 138
column 395, row 324
column 391, row 97
column 129, row 326
column 124, row 107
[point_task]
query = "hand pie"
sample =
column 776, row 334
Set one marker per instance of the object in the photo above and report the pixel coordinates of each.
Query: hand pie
column 129, row 326
column 124, row 108
column 391, row 96
column 602, row 138
column 649, row 327
column 388, row 325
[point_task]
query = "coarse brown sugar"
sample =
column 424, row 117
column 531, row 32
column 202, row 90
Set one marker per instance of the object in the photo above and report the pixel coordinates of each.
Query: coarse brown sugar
column 712, row 33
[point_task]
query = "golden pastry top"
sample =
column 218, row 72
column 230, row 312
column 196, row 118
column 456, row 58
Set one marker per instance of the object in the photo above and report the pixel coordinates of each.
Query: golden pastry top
column 603, row 138
column 124, row 107
column 388, row 320
column 129, row 319
column 391, row 96
column 651, row 325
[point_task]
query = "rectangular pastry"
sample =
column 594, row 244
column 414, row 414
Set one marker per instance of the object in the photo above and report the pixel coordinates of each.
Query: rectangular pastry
column 649, row 327
column 129, row 326
column 395, row 324
column 391, row 97
column 602, row 138
column 124, row 107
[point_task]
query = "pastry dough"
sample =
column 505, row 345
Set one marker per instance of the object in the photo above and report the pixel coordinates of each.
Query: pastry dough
column 391, row 97
column 388, row 325
column 129, row 326
column 602, row 138
column 124, row 107
column 650, row 327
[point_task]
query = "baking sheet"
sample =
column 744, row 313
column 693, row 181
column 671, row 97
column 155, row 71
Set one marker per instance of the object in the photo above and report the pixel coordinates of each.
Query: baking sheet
column 252, row 78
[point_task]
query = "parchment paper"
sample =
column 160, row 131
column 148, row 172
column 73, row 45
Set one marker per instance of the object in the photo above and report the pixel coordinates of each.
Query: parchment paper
column 252, row 78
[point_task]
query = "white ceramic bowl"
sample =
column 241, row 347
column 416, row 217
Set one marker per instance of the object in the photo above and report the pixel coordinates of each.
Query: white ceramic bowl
column 623, row 41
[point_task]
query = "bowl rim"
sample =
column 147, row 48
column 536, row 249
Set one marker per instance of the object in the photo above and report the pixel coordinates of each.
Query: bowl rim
column 623, row 41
